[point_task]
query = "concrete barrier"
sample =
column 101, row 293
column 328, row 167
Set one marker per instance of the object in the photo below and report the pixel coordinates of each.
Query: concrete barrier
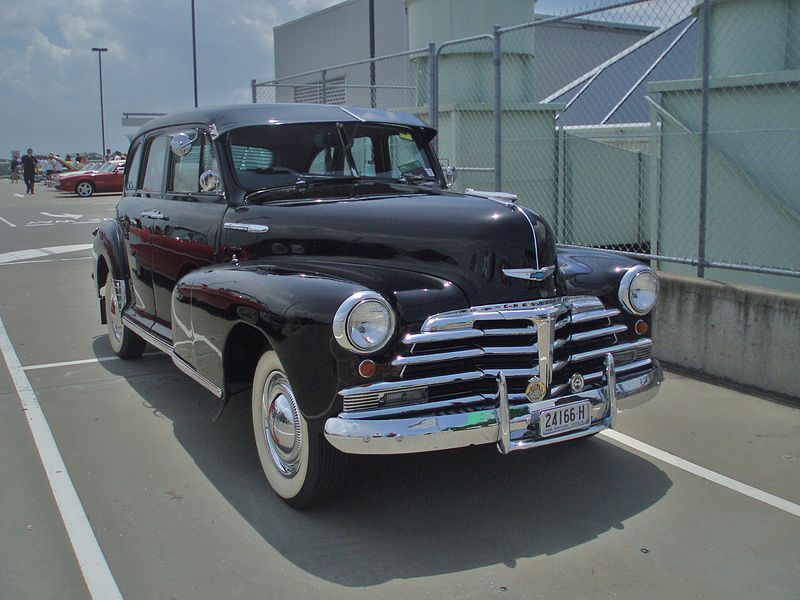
column 745, row 335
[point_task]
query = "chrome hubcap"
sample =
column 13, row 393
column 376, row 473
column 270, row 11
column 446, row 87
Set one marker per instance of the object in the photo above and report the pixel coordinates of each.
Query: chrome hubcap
column 114, row 314
column 281, row 424
column 84, row 189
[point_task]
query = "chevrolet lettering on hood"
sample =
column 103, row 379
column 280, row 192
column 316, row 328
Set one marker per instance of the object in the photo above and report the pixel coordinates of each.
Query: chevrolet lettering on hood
column 318, row 258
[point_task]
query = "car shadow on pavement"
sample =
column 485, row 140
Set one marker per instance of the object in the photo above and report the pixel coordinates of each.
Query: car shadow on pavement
column 412, row 516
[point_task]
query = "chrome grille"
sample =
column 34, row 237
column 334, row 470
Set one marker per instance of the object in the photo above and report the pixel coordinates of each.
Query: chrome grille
column 457, row 356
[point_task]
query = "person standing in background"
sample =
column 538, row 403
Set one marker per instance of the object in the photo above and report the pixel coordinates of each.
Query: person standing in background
column 29, row 170
column 14, row 166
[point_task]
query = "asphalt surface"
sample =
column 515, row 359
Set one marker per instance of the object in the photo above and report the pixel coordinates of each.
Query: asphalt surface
column 177, row 507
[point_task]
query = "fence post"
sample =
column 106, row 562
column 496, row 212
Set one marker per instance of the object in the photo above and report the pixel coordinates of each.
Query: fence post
column 561, row 182
column 253, row 90
column 324, row 86
column 433, row 91
column 701, row 243
column 498, row 112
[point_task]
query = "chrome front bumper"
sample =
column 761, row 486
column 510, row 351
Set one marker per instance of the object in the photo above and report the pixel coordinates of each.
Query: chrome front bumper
column 510, row 427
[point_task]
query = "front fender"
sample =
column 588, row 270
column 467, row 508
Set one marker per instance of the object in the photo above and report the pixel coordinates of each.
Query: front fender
column 294, row 309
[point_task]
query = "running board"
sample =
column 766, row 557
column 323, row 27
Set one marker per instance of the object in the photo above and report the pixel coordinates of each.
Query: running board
column 187, row 369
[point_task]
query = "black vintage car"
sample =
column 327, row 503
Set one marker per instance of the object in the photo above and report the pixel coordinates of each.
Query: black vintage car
column 314, row 255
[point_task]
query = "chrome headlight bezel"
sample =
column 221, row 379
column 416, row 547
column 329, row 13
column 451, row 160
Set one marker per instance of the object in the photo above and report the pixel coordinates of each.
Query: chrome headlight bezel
column 628, row 285
column 342, row 324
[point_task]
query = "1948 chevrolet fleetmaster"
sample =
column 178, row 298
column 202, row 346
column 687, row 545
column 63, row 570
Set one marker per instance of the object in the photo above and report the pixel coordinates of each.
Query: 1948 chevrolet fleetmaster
column 315, row 255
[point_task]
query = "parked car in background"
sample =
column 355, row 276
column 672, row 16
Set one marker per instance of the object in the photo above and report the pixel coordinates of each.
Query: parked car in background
column 314, row 255
column 107, row 178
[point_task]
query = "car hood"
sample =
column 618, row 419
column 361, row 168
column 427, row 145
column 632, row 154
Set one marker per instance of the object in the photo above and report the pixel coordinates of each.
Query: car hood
column 469, row 241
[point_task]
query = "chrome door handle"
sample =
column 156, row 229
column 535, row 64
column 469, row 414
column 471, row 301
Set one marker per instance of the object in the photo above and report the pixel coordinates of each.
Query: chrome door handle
column 248, row 227
column 155, row 214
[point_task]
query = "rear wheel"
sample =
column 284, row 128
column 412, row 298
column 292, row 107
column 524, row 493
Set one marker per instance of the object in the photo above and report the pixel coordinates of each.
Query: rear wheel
column 84, row 189
column 124, row 342
column 300, row 465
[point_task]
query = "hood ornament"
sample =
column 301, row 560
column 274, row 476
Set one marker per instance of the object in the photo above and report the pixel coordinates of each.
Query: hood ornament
column 530, row 274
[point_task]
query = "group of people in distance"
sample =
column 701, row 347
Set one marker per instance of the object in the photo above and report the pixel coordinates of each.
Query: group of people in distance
column 29, row 165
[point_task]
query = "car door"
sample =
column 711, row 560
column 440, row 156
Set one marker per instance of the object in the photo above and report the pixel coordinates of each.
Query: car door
column 143, row 184
column 111, row 181
column 185, row 227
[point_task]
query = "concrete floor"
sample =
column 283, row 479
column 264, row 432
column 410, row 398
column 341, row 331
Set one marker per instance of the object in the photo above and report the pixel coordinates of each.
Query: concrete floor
column 181, row 510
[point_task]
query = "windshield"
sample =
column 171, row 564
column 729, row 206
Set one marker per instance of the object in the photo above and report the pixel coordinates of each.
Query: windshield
column 267, row 156
column 106, row 167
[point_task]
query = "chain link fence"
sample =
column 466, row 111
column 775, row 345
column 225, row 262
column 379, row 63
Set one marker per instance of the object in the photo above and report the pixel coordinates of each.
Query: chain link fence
column 665, row 129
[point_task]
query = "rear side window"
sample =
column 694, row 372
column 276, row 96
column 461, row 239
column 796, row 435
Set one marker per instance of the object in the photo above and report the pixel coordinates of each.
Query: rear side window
column 132, row 177
column 155, row 161
column 186, row 169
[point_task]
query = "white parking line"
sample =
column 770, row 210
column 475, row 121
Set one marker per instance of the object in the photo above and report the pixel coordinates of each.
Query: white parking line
column 7, row 222
column 46, row 260
column 94, row 567
column 8, row 257
column 86, row 361
column 732, row 484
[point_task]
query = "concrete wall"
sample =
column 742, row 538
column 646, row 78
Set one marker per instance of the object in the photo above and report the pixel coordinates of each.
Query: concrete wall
column 742, row 334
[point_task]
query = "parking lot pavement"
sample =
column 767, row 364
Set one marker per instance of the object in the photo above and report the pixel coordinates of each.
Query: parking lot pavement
column 179, row 507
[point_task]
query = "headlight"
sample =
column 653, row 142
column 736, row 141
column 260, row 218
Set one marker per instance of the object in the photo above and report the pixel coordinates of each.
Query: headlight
column 364, row 323
column 638, row 290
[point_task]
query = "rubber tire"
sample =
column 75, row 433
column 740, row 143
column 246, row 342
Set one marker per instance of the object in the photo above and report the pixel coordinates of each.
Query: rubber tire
column 321, row 472
column 127, row 344
column 90, row 188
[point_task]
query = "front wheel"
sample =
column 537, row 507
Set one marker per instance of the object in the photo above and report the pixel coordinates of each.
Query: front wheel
column 300, row 465
column 84, row 189
column 124, row 342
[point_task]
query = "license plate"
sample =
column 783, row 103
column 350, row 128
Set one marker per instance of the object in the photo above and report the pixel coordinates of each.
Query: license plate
column 565, row 418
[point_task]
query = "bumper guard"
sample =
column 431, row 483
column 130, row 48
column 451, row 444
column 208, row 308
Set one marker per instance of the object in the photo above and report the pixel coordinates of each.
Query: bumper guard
column 510, row 427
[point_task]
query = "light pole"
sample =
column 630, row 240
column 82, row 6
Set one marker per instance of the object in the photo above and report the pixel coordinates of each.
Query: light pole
column 194, row 56
column 102, row 118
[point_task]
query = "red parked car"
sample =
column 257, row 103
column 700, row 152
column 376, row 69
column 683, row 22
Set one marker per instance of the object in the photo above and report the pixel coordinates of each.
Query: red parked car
column 107, row 178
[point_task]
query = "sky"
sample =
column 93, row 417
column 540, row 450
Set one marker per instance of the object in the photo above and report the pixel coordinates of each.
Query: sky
column 49, row 80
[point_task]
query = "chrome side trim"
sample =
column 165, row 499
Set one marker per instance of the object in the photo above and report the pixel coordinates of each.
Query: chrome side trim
column 147, row 335
column 392, row 386
column 247, row 227
column 167, row 349
column 530, row 274
column 594, row 315
column 440, row 432
column 187, row 369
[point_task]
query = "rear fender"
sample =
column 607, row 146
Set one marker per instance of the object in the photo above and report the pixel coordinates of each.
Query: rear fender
column 108, row 252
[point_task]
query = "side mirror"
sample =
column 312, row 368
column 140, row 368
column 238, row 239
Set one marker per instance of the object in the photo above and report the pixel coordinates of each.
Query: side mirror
column 450, row 175
column 209, row 181
column 181, row 144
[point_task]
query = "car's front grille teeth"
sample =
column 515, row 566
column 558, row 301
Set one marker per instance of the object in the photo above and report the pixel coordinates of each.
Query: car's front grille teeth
column 453, row 362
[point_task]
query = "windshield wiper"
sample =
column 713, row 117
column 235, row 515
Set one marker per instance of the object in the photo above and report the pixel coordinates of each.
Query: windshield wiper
column 411, row 178
column 303, row 182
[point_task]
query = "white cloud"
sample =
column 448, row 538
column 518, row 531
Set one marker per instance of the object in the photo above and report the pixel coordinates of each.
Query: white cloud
column 49, row 98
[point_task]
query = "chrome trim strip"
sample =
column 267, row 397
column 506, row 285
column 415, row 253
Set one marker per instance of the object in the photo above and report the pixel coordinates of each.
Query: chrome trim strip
column 596, row 333
column 442, row 336
column 409, row 409
column 187, row 369
column 530, row 274
column 161, row 345
column 594, row 315
column 247, row 227
column 611, row 389
column 352, row 115
column 392, row 386
column 147, row 335
column 598, row 352
column 440, row 432
column 503, row 416
column 424, row 359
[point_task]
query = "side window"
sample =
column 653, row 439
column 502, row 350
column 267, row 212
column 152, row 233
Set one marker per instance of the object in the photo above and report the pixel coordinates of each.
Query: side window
column 364, row 156
column 132, row 178
column 186, row 169
column 407, row 157
column 154, row 168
